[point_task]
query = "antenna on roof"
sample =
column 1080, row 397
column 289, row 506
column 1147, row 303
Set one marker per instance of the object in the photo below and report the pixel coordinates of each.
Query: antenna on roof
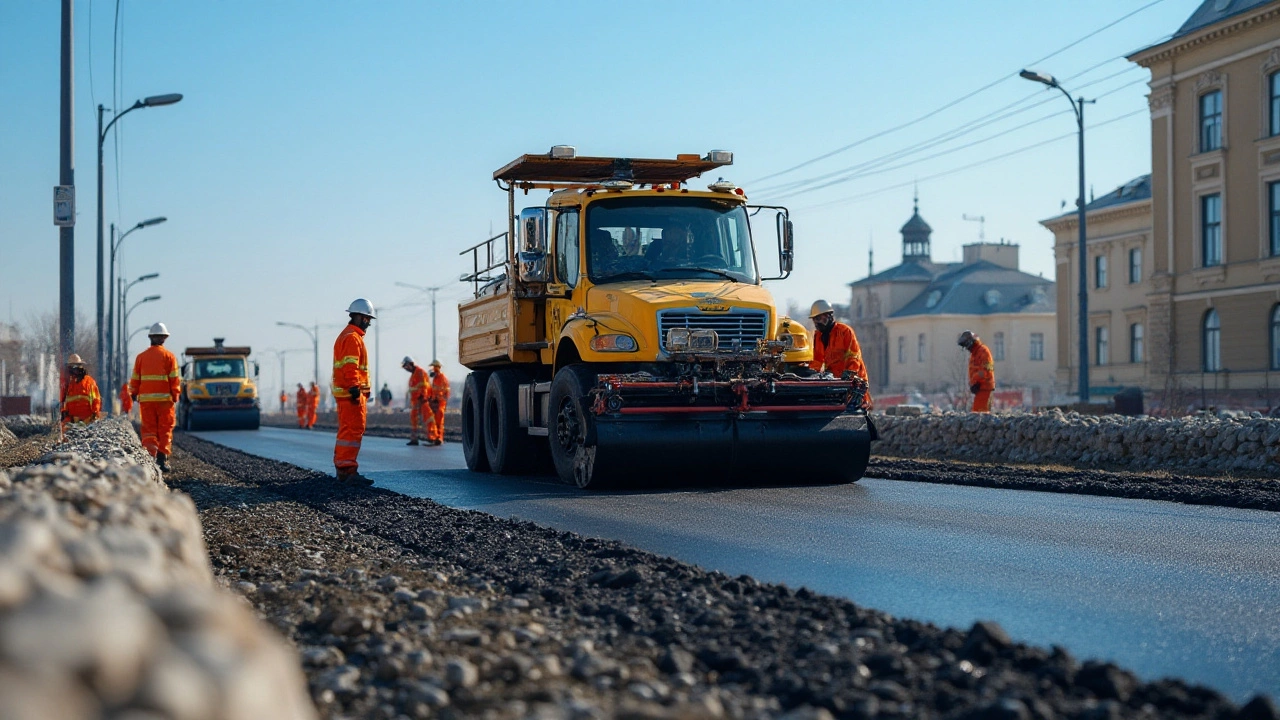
column 871, row 256
column 982, row 225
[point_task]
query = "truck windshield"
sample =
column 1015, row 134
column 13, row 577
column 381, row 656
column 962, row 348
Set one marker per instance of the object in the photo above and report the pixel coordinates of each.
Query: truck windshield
column 653, row 238
column 219, row 368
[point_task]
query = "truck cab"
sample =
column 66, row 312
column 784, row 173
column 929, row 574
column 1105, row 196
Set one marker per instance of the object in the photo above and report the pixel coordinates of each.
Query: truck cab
column 218, row 391
column 627, row 317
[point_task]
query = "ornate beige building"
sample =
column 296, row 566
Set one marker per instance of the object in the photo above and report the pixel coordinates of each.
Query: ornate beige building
column 1213, row 303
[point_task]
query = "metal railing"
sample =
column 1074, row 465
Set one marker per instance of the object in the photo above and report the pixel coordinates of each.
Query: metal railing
column 481, row 268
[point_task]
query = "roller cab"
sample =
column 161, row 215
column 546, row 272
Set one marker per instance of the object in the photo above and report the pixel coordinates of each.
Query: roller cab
column 622, row 331
column 218, row 392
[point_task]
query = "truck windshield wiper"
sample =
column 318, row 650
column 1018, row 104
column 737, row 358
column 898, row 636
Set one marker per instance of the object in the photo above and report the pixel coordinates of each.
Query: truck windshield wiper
column 721, row 273
column 629, row 275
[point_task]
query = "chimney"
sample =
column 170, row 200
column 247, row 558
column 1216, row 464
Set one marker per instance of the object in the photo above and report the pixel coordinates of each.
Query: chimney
column 1003, row 254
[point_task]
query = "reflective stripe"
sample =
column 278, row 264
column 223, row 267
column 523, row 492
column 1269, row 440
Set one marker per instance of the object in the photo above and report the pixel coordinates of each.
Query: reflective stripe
column 173, row 373
column 155, row 397
column 73, row 398
column 161, row 378
column 135, row 375
column 348, row 360
column 347, row 443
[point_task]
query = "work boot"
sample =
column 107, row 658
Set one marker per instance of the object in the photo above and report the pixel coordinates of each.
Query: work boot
column 414, row 441
column 354, row 479
column 163, row 461
column 437, row 442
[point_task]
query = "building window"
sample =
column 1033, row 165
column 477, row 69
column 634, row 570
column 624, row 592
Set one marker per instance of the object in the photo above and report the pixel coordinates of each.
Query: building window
column 1273, row 88
column 998, row 346
column 1100, row 271
column 1135, row 265
column 920, row 348
column 1037, row 346
column 1275, row 337
column 1211, row 230
column 1273, row 214
column 1102, row 341
column 1137, row 350
column 1212, row 342
column 1211, row 121
column 902, row 349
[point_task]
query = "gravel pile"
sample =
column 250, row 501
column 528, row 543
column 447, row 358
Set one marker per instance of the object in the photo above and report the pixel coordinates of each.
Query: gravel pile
column 403, row 607
column 6, row 436
column 25, row 426
column 107, row 605
column 1245, row 446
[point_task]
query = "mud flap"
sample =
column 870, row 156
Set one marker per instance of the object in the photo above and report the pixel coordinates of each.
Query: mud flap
column 871, row 430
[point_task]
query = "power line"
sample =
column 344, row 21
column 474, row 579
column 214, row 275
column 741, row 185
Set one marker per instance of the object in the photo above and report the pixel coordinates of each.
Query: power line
column 1011, row 153
column 957, row 101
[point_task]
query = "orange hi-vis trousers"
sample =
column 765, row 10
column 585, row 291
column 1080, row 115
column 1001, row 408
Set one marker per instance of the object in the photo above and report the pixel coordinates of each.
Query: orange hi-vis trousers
column 419, row 415
column 982, row 401
column 157, row 427
column 435, row 426
column 312, row 407
column 351, row 423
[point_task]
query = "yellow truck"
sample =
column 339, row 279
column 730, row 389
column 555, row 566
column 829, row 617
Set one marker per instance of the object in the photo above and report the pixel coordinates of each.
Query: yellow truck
column 621, row 331
column 217, row 391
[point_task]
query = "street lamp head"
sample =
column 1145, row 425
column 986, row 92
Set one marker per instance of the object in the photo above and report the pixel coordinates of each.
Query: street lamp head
column 152, row 221
column 149, row 298
column 1042, row 78
column 148, row 276
column 157, row 100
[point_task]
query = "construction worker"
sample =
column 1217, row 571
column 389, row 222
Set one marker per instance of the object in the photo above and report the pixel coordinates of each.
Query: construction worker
column 126, row 402
column 313, row 405
column 350, row 389
column 81, row 401
column 155, row 387
column 437, row 401
column 419, row 395
column 384, row 397
column 284, row 400
column 835, row 346
column 982, row 371
column 303, row 404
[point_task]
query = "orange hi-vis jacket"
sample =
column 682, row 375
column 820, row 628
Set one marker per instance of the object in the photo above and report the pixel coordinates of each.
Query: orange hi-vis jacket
column 350, row 363
column 839, row 352
column 126, row 402
column 81, row 400
column 440, row 389
column 302, row 399
column 283, row 398
column 982, row 369
column 155, row 376
column 419, row 386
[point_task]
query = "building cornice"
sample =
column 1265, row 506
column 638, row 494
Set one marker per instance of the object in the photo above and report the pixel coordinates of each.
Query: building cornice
column 1115, row 212
column 1168, row 49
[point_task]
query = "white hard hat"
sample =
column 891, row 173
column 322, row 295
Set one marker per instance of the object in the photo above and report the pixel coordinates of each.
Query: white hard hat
column 407, row 361
column 360, row 306
column 74, row 359
column 159, row 329
column 820, row 307
column 436, row 363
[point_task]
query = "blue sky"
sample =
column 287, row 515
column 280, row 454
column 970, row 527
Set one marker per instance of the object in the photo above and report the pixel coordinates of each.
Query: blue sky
column 324, row 151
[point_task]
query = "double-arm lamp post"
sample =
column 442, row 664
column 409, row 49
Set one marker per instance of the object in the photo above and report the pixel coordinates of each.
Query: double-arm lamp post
column 314, row 334
column 122, row 350
column 1077, row 106
column 152, row 101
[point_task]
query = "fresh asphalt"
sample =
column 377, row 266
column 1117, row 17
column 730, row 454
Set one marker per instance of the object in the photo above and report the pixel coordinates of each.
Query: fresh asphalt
column 1160, row 588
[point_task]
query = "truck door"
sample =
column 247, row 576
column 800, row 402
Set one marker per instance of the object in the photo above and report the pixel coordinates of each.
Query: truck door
column 567, row 249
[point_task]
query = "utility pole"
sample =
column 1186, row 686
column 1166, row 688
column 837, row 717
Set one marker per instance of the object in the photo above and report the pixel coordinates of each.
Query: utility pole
column 67, row 179
column 433, row 291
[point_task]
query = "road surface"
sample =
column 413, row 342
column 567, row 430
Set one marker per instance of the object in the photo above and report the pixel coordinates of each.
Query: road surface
column 1161, row 588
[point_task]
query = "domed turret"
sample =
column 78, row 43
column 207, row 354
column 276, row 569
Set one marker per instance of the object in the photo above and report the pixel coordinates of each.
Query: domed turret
column 915, row 236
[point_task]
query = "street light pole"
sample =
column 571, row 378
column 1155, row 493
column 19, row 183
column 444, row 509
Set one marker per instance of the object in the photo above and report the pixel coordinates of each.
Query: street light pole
column 66, row 178
column 433, row 291
column 124, row 345
column 315, row 344
column 147, row 299
column 152, row 101
column 111, row 363
column 1077, row 106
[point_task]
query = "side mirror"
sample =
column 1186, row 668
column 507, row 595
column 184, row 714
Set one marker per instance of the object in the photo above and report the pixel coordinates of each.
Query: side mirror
column 532, row 252
column 787, row 248
column 255, row 368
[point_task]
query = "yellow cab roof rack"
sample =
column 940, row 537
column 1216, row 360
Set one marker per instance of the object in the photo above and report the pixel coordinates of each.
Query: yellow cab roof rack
column 562, row 165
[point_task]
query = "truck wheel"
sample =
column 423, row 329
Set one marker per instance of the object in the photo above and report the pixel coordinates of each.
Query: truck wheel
column 570, row 427
column 509, row 447
column 472, row 419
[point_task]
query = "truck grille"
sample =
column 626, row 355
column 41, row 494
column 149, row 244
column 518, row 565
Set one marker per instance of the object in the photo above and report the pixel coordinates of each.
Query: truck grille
column 738, row 330
column 224, row 388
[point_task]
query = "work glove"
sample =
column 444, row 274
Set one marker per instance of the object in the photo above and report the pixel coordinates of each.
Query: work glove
column 355, row 394
column 974, row 388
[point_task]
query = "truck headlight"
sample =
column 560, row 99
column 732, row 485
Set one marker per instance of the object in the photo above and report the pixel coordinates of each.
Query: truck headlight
column 704, row 341
column 196, row 390
column 613, row 343
column 678, row 340
column 799, row 341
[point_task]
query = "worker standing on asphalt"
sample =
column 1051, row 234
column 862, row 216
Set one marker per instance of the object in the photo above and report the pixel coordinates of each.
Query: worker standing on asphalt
column 384, row 397
column 126, row 402
column 835, row 346
column 155, row 386
column 982, row 371
column 284, row 400
column 313, row 405
column 350, row 388
column 81, row 401
column 419, row 393
column 303, row 404
column 438, row 400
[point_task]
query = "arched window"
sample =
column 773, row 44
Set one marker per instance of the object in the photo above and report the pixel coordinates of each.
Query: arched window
column 1275, row 337
column 1211, row 344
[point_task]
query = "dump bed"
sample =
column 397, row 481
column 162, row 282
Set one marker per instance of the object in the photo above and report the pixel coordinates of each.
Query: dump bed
column 497, row 328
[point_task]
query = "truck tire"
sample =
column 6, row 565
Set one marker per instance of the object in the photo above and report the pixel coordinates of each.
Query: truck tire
column 473, row 421
column 509, row 448
column 570, row 429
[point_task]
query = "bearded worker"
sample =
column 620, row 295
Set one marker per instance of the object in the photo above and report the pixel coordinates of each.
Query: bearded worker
column 835, row 347
column 81, row 401
column 350, row 390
